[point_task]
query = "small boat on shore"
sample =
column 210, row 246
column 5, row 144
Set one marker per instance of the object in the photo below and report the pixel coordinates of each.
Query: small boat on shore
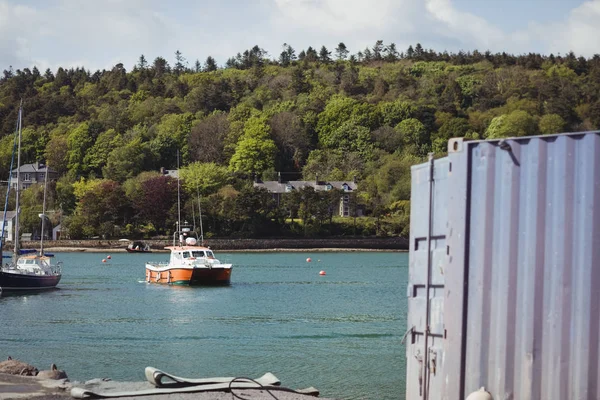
column 138, row 247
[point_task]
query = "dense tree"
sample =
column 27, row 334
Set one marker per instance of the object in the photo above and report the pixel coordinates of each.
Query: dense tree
column 287, row 56
column 551, row 123
column 365, row 115
column 255, row 151
column 210, row 64
column 179, row 66
column 204, row 178
column 517, row 123
column 324, row 55
column 207, row 139
column 341, row 51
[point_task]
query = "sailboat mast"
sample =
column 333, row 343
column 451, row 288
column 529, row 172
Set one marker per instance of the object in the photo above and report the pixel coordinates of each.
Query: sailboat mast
column 200, row 213
column 43, row 216
column 180, row 232
column 18, row 189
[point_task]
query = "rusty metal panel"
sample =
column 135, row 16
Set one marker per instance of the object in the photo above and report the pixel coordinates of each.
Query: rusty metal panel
column 521, row 308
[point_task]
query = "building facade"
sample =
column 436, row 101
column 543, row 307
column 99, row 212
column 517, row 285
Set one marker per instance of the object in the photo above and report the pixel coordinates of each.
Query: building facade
column 31, row 174
column 279, row 189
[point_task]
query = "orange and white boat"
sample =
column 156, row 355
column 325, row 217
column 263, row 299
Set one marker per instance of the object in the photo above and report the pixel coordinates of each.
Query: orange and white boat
column 189, row 264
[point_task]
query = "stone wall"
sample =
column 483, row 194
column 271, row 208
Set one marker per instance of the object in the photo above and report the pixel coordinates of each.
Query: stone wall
column 368, row 243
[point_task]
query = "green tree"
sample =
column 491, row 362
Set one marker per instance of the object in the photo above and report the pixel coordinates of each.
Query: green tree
column 349, row 137
column 97, row 155
column 414, row 134
column 517, row 123
column 255, row 151
column 204, row 178
column 324, row 55
column 210, row 64
column 341, row 51
column 79, row 141
column 124, row 162
column 455, row 127
column 551, row 123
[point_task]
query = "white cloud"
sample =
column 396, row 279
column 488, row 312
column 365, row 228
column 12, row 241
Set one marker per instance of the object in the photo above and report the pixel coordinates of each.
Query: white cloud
column 579, row 32
column 473, row 31
column 342, row 17
column 99, row 34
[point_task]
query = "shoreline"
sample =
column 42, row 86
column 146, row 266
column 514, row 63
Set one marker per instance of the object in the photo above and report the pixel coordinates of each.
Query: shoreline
column 331, row 244
column 271, row 250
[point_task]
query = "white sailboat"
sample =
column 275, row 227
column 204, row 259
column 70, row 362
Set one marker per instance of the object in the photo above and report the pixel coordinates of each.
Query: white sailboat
column 32, row 271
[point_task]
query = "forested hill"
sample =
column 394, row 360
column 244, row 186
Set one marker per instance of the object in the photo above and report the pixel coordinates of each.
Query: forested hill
column 320, row 113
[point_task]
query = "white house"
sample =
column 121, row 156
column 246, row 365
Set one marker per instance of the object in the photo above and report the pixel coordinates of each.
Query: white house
column 9, row 228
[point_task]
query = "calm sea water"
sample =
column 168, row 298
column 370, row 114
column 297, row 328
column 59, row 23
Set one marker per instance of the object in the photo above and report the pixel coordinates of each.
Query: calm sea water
column 340, row 332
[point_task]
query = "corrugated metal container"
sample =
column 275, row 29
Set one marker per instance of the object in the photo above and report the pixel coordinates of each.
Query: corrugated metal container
column 504, row 286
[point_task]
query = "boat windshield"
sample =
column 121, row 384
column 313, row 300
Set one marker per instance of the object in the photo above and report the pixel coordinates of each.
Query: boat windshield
column 198, row 253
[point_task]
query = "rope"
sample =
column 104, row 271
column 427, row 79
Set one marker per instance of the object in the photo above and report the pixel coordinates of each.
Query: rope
column 233, row 395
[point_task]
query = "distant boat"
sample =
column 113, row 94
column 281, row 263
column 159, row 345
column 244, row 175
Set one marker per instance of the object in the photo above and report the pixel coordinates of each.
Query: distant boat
column 138, row 247
column 27, row 270
column 189, row 263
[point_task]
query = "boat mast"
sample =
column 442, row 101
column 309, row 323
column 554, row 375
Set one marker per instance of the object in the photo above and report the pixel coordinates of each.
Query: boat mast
column 18, row 189
column 179, row 231
column 43, row 216
column 200, row 213
column 12, row 163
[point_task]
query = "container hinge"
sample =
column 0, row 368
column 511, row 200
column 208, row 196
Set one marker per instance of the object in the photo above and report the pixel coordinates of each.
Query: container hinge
column 420, row 360
column 406, row 334
column 432, row 360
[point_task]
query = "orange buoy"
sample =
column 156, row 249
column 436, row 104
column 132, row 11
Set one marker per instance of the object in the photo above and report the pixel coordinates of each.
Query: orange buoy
column 109, row 257
column 308, row 259
column 104, row 260
column 322, row 273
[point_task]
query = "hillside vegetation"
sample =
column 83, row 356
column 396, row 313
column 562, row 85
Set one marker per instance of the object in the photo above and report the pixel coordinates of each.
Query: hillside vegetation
column 328, row 114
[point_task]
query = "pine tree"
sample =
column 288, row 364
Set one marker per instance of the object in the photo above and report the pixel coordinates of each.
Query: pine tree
column 210, row 64
column 341, row 52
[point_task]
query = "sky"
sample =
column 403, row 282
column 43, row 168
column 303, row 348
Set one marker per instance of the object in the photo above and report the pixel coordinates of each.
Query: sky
column 97, row 34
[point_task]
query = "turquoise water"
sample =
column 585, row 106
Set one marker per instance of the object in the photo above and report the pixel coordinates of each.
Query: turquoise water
column 340, row 332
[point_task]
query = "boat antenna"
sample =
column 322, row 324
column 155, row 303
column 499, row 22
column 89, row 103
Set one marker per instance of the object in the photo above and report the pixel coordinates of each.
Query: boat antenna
column 43, row 215
column 193, row 218
column 180, row 232
column 12, row 161
column 200, row 215
column 18, row 189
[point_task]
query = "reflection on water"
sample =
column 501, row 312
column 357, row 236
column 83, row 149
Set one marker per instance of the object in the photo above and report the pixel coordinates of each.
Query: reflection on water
column 340, row 332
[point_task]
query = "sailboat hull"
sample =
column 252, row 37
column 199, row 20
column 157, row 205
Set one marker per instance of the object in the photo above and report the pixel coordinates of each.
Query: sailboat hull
column 17, row 282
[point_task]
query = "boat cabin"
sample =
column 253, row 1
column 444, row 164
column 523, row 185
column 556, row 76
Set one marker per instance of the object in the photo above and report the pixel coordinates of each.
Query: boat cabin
column 191, row 254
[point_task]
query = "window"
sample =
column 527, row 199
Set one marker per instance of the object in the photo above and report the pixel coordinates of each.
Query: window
column 186, row 254
column 289, row 188
column 346, row 198
column 27, row 177
column 197, row 254
column 328, row 187
column 345, row 187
